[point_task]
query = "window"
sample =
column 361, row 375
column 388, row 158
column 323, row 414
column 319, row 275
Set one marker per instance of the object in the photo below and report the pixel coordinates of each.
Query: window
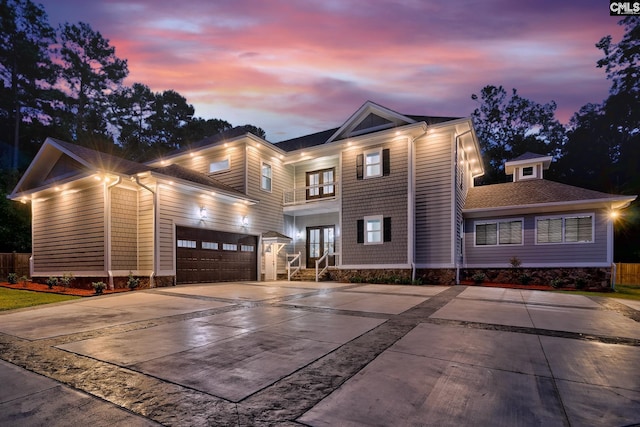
column 549, row 230
column 191, row 244
column 374, row 230
column 229, row 247
column 373, row 163
column 527, row 172
column 320, row 184
column 265, row 182
column 220, row 165
column 246, row 248
column 499, row 233
column 569, row 229
column 210, row 245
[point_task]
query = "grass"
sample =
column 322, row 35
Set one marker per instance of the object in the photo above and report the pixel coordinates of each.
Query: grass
column 631, row 292
column 11, row 299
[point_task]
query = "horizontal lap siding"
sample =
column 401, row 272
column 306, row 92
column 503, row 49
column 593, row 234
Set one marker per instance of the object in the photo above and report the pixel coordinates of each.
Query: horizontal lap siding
column 530, row 253
column 433, row 199
column 267, row 214
column 301, row 224
column 124, row 229
column 386, row 196
column 68, row 232
column 234, row 177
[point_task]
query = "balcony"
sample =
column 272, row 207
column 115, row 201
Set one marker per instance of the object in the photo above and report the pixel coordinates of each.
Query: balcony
column 312, row 199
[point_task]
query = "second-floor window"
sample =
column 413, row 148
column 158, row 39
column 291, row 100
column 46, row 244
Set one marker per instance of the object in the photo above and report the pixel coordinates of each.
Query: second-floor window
column 320, row 184
column 373, row 163
column 266, row 177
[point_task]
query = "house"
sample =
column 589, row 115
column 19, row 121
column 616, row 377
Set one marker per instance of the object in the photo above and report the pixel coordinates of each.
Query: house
column 383, row 194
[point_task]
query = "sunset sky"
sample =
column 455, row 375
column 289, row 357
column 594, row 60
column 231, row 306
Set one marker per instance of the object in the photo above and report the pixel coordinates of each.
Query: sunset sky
column 294, row 67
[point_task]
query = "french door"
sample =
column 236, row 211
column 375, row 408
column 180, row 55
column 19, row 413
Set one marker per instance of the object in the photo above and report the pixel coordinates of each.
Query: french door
column 319, row 240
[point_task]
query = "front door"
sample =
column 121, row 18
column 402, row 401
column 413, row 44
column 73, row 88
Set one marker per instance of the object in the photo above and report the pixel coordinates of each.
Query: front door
column 270, row 259
column 319, row 240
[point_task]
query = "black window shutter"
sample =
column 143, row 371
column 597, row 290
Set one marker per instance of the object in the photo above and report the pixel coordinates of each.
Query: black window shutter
column 386, row 167
column 386, row 229
column 360, row 166
column 360, row 231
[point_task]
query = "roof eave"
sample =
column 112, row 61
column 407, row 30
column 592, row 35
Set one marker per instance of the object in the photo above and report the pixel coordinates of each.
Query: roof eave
column 613, row 203
column 224, row 194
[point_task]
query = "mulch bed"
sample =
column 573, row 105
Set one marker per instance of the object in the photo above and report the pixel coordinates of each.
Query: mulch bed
column 39, row 287
column 512, row 286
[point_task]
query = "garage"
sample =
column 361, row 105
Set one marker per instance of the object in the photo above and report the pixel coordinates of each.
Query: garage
column 214, row 256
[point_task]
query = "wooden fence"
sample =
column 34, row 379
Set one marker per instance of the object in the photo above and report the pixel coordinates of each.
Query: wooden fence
column 627, row 274
column 14, row 263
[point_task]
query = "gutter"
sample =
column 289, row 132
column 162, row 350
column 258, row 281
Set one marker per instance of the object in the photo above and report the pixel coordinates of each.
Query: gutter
column 457, row 239
column 155, row 231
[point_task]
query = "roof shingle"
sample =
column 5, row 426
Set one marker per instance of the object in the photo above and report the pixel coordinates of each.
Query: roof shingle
column 530, row 192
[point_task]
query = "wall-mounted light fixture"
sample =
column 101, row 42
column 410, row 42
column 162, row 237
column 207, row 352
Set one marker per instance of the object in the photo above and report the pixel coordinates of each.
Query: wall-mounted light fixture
column 244, row 221
column 203, row 212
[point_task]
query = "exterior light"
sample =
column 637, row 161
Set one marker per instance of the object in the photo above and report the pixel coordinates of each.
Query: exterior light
column 203, row 213
column 244, row 221
column 613, row 215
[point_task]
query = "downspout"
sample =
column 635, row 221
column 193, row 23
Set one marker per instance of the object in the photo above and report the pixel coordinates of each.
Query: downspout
column 155, row 233
column 109, row 259
column 457, row 239
column 411, row 204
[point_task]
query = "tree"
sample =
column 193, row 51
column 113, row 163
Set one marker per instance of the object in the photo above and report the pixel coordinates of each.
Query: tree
column 199, row 128
column 90, row 72
column 508, row 127
column 168, row 124
column 131, row 109
column 26, row 70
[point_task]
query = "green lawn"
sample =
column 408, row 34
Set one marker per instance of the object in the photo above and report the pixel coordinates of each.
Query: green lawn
column 622, row 291
column 13, row 298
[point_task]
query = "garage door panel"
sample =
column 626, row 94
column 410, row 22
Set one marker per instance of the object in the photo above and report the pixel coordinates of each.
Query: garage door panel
column 206, row 260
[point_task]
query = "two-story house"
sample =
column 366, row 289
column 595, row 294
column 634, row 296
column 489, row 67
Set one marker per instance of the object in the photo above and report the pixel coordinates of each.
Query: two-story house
column 384, row 193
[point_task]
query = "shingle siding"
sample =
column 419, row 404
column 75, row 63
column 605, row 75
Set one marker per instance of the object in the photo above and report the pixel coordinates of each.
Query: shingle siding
column 433, row 199
column 124, row 229
column 386, row 196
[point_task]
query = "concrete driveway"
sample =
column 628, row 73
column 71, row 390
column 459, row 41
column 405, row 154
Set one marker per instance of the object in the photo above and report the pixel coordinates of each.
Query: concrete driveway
column 300, row 353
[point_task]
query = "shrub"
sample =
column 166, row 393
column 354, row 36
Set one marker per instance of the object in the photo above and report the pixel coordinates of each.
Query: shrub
column 132, row 282
column 515, row 262
column 525, row 279
column 556, row 283
column 12, row 278
column 99, row 287
column 66, row 280
column 479, row 278
column 52, row 281
column 581, row 283
column 24, row 280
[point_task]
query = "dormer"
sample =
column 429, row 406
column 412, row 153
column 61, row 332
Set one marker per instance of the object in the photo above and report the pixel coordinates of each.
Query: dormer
column 527, row 166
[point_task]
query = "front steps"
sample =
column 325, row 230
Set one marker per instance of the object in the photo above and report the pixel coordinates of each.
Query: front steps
column 306, row 275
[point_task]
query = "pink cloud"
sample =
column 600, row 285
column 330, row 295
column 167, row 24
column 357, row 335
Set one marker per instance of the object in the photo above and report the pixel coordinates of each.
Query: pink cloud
column 290, row 66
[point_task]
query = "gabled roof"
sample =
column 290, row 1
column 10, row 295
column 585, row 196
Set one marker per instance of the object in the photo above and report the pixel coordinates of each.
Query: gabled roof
column 78, row 161
column 537, row 192
column 370, row 117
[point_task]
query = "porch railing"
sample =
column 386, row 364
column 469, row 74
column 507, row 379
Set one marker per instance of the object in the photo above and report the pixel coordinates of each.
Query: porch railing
column 312, row 193
column 292, row 269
